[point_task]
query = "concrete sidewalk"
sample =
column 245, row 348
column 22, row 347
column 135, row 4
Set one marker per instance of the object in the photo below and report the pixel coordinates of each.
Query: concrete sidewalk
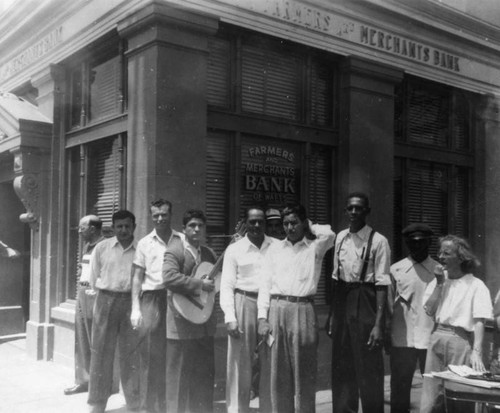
column 29, row 386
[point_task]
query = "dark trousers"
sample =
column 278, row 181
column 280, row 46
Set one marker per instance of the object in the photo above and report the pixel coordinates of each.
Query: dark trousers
column 357, row 372
column 153, row 350
column 111, row 324
column 190, row 375
column 83, row 331
column 403, row 363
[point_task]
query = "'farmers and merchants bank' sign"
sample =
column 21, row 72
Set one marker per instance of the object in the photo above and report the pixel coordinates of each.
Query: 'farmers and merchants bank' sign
column 270, row 172
column 353, row 31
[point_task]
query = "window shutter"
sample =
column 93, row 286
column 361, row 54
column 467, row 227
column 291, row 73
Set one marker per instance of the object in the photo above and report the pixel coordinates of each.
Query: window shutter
column 217, row 209
column 321, row 93
column 105, row 179
column 428, row 197
column 428, row 116
column 319, row 205
column 461, row 207
column 397, row 247
column 270, row 82
column 460, row 123
column 105, row 89
column 219, row 72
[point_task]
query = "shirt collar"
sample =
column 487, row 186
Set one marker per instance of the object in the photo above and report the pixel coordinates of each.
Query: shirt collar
column 92, row 244
column 304, row 241
column 249, row 244
column 427, row 264
column 115, row 243
column 174, row 233
column 363, row 233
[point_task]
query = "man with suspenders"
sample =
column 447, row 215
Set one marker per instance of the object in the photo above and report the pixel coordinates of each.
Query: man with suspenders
column 361, row 275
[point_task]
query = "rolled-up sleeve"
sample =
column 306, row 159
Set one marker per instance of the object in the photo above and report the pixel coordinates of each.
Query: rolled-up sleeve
column 382, row 263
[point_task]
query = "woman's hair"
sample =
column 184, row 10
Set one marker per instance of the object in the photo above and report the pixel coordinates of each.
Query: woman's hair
column 469, row 262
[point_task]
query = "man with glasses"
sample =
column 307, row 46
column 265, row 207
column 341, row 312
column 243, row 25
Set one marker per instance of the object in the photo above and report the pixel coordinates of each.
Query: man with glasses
column 149, row 305
column 361, row 274
column 89, row 229
column 238, row 299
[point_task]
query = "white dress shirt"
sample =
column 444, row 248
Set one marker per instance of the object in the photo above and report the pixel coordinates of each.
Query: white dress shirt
column 350, row 248
column 294, row 269
column 242, row 269
column 410, row 325
column 111, row 266
column 149, row 256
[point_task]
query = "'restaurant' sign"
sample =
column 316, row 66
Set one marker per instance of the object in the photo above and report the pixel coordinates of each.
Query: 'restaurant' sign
column 270, row 172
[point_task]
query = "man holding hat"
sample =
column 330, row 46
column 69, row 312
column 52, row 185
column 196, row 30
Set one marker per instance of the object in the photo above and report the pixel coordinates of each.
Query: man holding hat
column 410, row 327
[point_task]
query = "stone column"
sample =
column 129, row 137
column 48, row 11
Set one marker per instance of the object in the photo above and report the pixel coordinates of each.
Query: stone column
column 366, row 150
column 37, row 183
column 486, row 189
column 167, row 65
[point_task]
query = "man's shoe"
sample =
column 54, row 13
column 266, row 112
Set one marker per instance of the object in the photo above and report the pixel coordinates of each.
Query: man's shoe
column 77, row 388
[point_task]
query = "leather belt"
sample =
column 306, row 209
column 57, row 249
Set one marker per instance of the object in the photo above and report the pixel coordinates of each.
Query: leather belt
column 293, row 298
column 124, row 294
column 246, row 293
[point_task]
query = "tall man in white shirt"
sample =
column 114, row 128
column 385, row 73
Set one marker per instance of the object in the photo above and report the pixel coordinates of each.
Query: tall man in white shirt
column 89, row 229
column 361, row 274
column 110, row 275
column 149, row 306
column 410, row 327
column 290, row 276
column 238, row 299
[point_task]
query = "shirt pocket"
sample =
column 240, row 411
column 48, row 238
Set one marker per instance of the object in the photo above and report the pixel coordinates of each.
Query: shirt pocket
column 246, row 268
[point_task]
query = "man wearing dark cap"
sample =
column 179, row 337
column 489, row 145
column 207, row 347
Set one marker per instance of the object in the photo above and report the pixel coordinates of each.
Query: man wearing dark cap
column 410, row 327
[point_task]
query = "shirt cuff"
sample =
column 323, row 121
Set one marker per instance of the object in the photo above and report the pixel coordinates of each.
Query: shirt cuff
column 230, row 319
column 262, row 313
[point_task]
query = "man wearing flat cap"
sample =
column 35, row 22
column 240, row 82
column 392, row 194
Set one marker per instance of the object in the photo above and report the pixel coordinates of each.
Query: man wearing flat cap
column 410, row 327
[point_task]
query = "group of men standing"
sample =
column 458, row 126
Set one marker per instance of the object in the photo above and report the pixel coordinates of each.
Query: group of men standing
column 267, row 292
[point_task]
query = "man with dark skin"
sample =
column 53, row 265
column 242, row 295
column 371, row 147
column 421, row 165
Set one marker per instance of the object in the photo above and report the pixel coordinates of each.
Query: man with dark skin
column 360, row 279
column 410, row 327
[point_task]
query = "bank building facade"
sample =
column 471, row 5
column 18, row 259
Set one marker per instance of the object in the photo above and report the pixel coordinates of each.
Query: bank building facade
column 222, row 104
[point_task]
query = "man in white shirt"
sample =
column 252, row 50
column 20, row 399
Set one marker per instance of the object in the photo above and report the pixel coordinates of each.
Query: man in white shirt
column 410, row 327
column 290, row 278
column 361, row 274
column 149, row 306
column 238, row 299
column 110, row 275
column 89, row 229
